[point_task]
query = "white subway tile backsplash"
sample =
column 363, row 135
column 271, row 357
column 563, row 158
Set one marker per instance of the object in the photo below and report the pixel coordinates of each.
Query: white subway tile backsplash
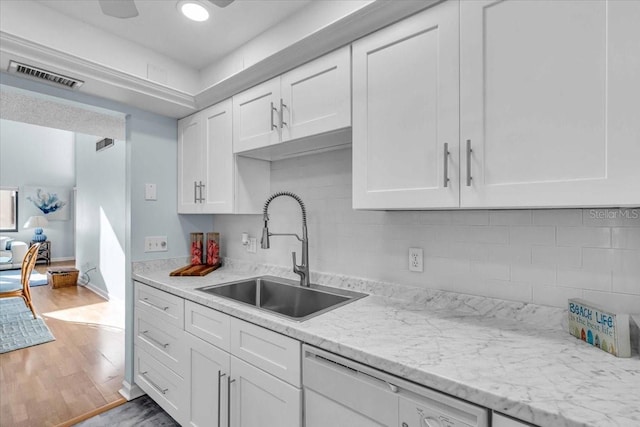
column 555, row 296
column 533, row 235
column 619, row 303
column 512, row 254
column 625, row 238
column 490, row 270
column 470, row 217
column 592, row 237
column 538, row 274
column 626, row 283
column 510, row 217
column 556, row 255
column 435, row 217
column 564, row 217
column 542, row 256
column 585, row 279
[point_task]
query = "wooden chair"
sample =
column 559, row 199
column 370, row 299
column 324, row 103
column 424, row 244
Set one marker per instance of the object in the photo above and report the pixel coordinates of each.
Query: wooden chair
column 28, row 263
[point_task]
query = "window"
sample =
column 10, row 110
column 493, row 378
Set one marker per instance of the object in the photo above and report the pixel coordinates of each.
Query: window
column 8, row 209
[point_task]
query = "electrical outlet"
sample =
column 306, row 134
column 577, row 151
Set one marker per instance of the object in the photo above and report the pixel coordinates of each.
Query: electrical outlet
column 415, row 259
column 252, row 245
column 155, row 244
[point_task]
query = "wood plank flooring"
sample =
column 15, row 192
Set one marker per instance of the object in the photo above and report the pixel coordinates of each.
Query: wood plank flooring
column 80, row 371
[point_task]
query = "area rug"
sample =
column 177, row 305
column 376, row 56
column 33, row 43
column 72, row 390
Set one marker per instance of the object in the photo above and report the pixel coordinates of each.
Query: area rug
column 18, row 328
column 10, row 279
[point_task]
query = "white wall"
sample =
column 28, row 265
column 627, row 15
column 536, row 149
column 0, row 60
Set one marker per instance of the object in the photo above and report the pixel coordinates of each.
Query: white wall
column 33, row 156
column 101, row 214
column 540, row 256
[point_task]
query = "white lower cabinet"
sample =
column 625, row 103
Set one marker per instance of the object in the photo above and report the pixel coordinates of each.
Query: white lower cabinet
column 216, row 370
column 259, row 399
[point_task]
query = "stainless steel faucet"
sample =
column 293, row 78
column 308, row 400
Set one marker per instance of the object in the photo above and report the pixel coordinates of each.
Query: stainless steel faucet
column 303, row 269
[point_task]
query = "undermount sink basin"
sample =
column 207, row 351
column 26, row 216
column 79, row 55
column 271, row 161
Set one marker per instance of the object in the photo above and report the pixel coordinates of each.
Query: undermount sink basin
column 284, row 297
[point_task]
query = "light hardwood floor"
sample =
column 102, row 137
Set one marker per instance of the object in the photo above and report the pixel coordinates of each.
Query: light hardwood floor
column 80, row 372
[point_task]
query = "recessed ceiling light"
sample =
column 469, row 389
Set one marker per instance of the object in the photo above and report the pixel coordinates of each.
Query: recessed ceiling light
column 193, row 10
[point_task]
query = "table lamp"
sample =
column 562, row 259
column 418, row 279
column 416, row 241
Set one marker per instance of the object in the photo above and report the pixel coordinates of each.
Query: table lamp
column 37, row 222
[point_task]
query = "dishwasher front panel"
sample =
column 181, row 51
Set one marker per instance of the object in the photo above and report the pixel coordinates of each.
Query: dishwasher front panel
column 339, row 392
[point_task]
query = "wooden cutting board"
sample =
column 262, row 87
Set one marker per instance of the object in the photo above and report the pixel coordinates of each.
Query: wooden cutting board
column 195, row 270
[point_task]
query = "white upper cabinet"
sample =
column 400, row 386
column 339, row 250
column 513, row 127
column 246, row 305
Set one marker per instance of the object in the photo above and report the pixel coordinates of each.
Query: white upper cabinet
column 211, row 179
column 190, row 163
column 256, row 116
column 549, row 94
column 316, row 97
column 405, row 112
column 310, row 100
column 218, row 158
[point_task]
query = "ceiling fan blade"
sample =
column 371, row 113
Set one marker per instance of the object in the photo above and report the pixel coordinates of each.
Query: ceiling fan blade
column 221, row 3
column 119, row 8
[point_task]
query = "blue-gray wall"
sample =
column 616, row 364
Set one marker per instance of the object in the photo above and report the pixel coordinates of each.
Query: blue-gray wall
column 36, row 156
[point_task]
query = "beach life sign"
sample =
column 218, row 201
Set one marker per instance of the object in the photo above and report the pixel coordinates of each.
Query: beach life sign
column 600, row 327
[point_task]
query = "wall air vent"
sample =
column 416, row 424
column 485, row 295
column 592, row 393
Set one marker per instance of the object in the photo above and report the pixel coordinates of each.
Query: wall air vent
column 103, row 144
column 40, row 74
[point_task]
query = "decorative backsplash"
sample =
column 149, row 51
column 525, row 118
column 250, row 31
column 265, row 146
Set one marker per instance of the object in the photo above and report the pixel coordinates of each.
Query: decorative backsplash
column 541, row 256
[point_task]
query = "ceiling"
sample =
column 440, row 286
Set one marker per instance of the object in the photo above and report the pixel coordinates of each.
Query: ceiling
column 162, row 28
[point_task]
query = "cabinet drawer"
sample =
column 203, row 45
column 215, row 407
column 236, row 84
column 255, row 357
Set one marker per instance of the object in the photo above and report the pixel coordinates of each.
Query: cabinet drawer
column 208, row 324
column 268, row 350
column 166, row 306
column 160, row 338
column 163, row 385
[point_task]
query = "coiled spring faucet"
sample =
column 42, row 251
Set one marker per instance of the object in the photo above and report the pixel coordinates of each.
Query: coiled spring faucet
column 303, row 269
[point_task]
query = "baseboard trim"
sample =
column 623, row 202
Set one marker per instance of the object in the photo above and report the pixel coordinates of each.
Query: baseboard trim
column 96, row 290
column 131, row 391
column 91, row 414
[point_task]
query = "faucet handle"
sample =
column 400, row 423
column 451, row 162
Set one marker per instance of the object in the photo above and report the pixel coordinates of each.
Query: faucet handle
column 295, row 266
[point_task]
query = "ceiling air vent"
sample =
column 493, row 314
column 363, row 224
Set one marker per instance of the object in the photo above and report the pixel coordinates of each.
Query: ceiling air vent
column 104, row 144
column 40, row 74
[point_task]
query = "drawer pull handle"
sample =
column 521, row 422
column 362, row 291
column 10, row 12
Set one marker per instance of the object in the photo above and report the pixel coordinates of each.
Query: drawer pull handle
column 273, row 125
column 469, row 151
column 282, row 107
column 154, row 385
column 150, row 338
column 229, row 382
column 446, row 164
column 220, row 375
column 155, row 305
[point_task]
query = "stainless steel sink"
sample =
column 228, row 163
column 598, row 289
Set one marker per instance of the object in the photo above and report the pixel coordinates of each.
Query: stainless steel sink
column 284, row 297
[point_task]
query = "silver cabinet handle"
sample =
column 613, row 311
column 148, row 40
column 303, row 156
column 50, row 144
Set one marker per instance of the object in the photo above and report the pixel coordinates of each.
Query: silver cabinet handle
column 154, row 385
column 273, row 125
column 220, row 375
column 201, row 196
column 469, row 151
column 150, row 338
column 229, row 382
column 446, row 164
column 155, row 305
column 282, row 107
column 195, row 191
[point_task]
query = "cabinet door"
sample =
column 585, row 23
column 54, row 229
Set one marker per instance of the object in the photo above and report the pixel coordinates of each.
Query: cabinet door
column 549, row 96
column 259, row 399
column 190, row 163
column 218, row 157
column 256, row 119
column 208, row 368
column 405, row 109
column 317, row 96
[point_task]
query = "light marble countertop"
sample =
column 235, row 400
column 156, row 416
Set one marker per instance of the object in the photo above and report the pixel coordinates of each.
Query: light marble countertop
column 511, row 357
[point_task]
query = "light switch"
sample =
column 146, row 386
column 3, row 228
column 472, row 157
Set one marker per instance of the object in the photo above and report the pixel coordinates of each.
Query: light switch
column 150, row 192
